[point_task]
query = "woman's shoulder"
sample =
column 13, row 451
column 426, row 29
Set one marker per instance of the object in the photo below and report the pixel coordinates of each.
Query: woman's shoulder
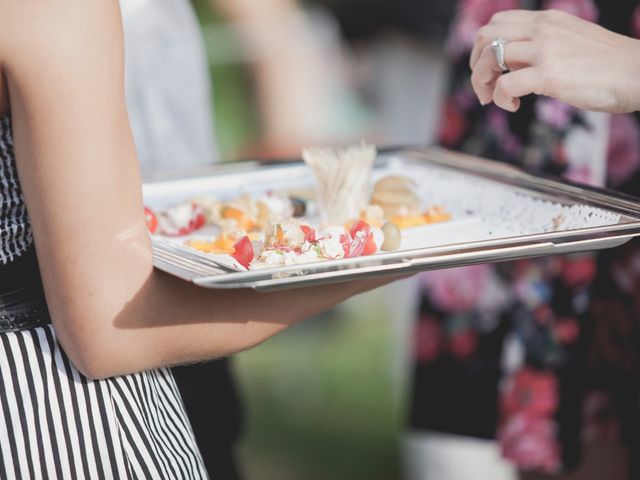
column 55, row 30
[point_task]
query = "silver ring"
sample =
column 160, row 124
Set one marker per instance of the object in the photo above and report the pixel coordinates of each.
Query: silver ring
column 498, row 45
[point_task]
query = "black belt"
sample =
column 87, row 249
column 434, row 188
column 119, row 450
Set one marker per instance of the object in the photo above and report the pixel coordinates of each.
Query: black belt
column 22, row 302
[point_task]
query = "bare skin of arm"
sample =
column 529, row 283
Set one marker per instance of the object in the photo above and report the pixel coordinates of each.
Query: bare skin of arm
column 113, row 313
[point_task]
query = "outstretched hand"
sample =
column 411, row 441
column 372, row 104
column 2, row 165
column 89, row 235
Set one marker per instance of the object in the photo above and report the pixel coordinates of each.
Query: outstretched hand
column 555, row 54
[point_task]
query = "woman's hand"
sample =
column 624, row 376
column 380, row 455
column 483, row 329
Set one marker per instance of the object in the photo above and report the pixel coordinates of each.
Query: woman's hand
column 555, row 54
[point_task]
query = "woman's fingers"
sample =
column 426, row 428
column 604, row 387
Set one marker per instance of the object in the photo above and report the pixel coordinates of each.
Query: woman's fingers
column 485, row 75
column 513, row 85
column 556, row 54
column 488, row 33
column 518, row 55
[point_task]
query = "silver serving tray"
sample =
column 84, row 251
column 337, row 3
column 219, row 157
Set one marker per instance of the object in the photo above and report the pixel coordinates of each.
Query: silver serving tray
column 500, row 216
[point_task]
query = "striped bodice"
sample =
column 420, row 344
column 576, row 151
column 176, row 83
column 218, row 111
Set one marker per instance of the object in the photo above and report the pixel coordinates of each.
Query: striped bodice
column 15, row 229
column 55, row 423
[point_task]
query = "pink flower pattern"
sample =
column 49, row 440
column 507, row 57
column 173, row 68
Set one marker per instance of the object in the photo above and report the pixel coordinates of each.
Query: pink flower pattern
column 530, row 391
column 473, row 14
column 579, row 271
column 428, row 339
column 530, row 442
column 459, row 289
column 624, row 148
column 635, row 23
column 566, row 330
column 463, row 344
column 553, row 112
column 548, row 300
column 584, row 9
column 527, row 432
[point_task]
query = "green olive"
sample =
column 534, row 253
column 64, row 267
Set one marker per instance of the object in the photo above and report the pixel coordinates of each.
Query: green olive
column 392, row 237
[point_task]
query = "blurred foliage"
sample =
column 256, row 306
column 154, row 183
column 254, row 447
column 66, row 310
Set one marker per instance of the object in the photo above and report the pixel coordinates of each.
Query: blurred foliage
column 233, row 101
column 319, row 401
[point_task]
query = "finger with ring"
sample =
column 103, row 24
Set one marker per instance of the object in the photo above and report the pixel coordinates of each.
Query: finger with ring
column 498, row 46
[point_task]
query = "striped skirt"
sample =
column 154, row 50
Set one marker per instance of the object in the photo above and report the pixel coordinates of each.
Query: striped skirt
column 57, row 424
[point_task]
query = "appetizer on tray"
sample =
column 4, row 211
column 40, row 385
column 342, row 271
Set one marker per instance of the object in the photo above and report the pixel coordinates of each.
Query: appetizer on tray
column 349, row 216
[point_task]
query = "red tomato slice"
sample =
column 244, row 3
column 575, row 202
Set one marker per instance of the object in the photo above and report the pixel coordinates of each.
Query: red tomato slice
column 150, row 220
column 370, row 246
column 198, row 220
column 243, row 251
column 363, row 241
column 309, row 233
column 359, row 226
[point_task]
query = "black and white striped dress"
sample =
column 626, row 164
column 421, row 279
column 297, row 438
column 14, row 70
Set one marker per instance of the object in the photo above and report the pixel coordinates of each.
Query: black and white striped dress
column 57, row 424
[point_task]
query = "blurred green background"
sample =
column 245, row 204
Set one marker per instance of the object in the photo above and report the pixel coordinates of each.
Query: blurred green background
column 234, row 100
column 319, row 400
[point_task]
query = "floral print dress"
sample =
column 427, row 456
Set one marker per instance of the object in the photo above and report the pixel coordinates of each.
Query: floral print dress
column 542, row 355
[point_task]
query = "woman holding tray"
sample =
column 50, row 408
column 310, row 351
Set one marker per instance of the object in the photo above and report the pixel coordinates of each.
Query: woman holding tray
column 540, row 355
column 86, row 331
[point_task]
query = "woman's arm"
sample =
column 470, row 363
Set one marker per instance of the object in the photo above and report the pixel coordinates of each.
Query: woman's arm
column 558, row 55
column 112, row 312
